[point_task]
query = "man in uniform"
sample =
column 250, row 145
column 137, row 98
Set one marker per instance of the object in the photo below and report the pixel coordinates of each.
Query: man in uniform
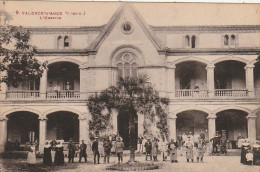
column 71, row 149
column 83, row 152
column 95, row 150
column 148, row 149
column 107, row 149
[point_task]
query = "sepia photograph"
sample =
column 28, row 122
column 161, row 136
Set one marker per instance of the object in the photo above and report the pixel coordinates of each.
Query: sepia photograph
column 129, row 86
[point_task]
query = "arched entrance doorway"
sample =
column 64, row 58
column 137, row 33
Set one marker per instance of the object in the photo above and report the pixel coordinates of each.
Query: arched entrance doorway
column 63, row 125
column 192, row 121
column 234, row 122
column 22, row 128
column 123, row 120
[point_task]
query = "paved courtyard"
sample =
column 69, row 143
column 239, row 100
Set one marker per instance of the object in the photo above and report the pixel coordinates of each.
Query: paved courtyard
column 211, row 164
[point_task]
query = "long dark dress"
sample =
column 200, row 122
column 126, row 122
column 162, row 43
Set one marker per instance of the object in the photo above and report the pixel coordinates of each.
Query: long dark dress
column 47, row 156
column 59, row 156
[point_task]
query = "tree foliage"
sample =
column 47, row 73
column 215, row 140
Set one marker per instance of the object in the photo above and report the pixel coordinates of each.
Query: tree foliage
column 136, row 94
column 17, row 56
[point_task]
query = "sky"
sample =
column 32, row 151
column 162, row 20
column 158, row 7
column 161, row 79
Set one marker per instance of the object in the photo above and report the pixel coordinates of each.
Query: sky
column 157, row 14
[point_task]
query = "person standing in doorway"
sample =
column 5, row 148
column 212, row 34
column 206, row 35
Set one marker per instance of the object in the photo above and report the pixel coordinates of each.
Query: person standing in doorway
column 95, row 150
column 82, row 151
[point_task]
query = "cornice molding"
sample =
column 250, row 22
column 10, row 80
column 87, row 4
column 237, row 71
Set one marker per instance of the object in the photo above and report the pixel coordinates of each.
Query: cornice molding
column 213, row 51
column 65, row 52
column 206, row 28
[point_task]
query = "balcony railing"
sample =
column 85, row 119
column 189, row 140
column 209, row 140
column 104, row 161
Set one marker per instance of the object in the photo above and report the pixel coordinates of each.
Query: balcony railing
column 64, row 94
column 257, row 92
column 23, row 94
column 191, row 93
column 231, row 93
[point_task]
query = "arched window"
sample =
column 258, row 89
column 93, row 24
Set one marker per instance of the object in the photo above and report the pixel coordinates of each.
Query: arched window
column 66, row 41
column 59, row 42
column 233, row 40
column 193, row 41
column 226, row 37
column 187, row 41
column 127, row 65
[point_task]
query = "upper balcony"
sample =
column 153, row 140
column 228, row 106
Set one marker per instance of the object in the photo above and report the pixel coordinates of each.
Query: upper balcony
column 193, row 80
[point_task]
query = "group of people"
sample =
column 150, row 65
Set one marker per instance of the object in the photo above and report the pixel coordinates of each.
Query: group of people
column 194, row 146
column 58, row 147
column 113, row 145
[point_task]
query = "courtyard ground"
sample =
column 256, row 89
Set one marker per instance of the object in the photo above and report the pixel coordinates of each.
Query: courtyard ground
column 210, row 164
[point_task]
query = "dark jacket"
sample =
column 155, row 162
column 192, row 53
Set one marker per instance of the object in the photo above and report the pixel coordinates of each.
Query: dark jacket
column 148, row 146
column 107, row 146
column 95, row 146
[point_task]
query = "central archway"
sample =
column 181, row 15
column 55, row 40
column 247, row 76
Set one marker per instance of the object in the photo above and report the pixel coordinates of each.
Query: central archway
column 192, row 121
column 123, row 127
column 63, row 125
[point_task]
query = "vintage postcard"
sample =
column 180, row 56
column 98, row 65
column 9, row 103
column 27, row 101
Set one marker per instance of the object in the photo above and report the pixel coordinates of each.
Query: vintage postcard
column 105, row 86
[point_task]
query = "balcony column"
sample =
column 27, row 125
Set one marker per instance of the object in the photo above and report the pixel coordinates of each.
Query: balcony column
column 251, row 124
column 212, row 125
column 250, row 80
column 84, row 128
column 3, row 135
column 140, row 124
column 83, row 82
column 171, row 79
column 42, row 132
column 43, row 84
column 210, row 80
column 172, row 126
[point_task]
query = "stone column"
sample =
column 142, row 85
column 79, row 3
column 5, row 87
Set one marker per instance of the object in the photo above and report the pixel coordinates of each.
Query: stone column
column 3, row 135
column 84, row 128
column 172, row 126
column 43, row 85
column 42, row 132
column 140, row 124
column 251, row 123
column 171, row 80
column 210, row 80
column 83, row 82
column 250, row 80
column 114, row 115
column 212, row 125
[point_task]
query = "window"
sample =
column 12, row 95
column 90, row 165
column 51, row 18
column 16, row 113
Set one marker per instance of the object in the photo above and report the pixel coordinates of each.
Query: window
column 193, row 41
column 127, row 65
column 190, row 41
column 59, row 42
column 233, row 40
column 187, row 41
column 226, row 38
column 66, row 42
